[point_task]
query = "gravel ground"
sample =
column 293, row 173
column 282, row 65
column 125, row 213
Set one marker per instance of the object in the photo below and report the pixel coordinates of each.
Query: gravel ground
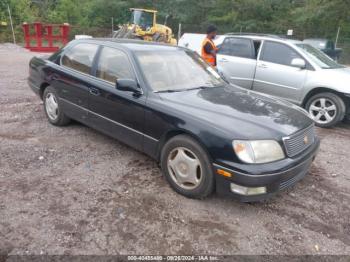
column 75, row 191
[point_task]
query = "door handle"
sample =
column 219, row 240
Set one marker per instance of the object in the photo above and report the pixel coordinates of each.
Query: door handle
column 94, row 91
column 224, row 60
column 262, row 65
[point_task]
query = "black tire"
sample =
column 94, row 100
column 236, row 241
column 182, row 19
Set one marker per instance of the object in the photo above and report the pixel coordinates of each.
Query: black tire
column 206, row 184
column 61, row 119
column 338, row 114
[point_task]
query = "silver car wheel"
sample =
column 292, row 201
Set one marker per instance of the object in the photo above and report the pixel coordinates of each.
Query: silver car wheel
column 184, row 168
column 323, row 110
column 51, row 106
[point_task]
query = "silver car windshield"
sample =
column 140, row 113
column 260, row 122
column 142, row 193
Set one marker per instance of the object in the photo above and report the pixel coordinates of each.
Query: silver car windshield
column 318, row 57
column 176, row 70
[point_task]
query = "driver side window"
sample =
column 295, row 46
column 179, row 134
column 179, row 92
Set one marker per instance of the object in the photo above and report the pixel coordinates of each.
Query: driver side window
column 114, row 64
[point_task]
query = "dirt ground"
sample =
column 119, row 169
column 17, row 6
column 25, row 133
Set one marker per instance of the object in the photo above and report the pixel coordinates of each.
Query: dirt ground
column 73, row 190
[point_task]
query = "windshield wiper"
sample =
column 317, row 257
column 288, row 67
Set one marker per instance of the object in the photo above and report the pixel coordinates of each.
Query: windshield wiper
column 197, row 87
column 334, row 67
column 184, row 89
column 166, row 91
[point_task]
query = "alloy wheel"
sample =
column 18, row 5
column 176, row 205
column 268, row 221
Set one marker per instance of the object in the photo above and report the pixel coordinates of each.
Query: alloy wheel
column 323, row 110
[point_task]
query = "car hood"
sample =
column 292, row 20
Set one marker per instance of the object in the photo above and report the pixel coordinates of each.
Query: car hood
column 248, row 114
column 340, row 72
column 337, row 79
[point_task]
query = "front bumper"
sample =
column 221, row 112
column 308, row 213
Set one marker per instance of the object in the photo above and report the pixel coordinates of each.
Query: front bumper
column 347, row 101
column 273, row 180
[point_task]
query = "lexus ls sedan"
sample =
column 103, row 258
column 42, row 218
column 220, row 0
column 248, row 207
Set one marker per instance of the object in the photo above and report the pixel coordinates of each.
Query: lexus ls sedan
column 208, row 135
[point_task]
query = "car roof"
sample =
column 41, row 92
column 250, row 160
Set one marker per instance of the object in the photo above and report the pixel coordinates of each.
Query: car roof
column 316, row 39
column 265, row 37
column 133, row 44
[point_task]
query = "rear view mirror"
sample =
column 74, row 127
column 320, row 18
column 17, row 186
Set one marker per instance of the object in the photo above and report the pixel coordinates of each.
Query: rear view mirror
column 298, row 62
column 128, row 85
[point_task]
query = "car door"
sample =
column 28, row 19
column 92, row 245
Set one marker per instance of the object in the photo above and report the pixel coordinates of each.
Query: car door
column 115, row 112
column 236, row 60
column 275, row 75
column 73, row 78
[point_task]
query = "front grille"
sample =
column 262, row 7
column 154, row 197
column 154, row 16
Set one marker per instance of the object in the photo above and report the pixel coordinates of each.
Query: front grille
column 300, row 141
column 290, row 182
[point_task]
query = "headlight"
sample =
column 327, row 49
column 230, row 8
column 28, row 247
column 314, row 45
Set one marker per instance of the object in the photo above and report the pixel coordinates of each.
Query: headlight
column 259, row 151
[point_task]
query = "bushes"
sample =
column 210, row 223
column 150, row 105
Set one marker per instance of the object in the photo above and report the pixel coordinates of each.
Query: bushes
column 312, row 18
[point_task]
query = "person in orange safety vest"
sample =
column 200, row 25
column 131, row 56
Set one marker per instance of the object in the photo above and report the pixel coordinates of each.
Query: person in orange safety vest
column 209, row 49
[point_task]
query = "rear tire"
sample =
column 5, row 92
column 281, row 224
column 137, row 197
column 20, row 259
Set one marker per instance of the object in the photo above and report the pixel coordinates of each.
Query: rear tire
column 53, row 109
column 326, row 109
column 181, row 155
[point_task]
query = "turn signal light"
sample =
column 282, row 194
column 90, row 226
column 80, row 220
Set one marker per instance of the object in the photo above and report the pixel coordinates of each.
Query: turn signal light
column 239, row 147
column 223, row 173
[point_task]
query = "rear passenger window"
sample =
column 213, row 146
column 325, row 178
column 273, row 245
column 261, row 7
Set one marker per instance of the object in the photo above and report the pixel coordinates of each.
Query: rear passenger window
column 278, row 53
column 114, row 64
column 237, row 47
column 80, row 57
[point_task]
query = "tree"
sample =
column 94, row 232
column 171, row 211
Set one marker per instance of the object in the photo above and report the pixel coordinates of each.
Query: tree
column 308, row 18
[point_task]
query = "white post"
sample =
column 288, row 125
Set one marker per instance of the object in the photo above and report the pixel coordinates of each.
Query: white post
column 336, row 39
column 13, row 32
column 179, row 33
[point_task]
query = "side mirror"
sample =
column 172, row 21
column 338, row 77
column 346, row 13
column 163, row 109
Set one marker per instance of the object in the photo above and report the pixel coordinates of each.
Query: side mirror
column 298, row 62
column 128, row 85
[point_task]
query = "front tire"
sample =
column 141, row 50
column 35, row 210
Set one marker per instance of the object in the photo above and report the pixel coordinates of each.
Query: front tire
column 53, row 108
column 187, row 168
column 326, row 109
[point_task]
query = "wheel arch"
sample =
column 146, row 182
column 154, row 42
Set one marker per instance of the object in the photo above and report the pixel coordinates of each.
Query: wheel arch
column 318, row 90
column 175, row 132
column 43, row 86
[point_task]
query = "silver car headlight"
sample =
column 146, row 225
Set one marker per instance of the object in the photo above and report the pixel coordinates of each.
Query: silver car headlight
column 258, row 151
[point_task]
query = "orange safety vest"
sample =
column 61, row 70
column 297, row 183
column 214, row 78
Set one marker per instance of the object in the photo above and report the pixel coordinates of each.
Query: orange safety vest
column 210, row 58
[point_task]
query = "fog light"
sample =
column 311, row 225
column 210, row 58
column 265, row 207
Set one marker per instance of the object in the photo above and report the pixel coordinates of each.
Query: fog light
column 247, row 191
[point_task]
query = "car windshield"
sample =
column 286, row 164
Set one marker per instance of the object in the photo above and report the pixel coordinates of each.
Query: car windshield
column 318, row 57
column 177, row 70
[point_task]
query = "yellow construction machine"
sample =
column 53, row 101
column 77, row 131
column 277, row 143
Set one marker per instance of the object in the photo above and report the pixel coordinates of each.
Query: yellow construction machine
column 143, row 25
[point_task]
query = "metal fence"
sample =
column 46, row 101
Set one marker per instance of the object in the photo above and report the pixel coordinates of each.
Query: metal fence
column 6, row 34
column 93, row 31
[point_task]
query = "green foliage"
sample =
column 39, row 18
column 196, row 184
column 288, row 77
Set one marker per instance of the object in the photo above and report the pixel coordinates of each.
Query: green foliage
column 22, row 11
column 72, row 11
column 308, row 18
